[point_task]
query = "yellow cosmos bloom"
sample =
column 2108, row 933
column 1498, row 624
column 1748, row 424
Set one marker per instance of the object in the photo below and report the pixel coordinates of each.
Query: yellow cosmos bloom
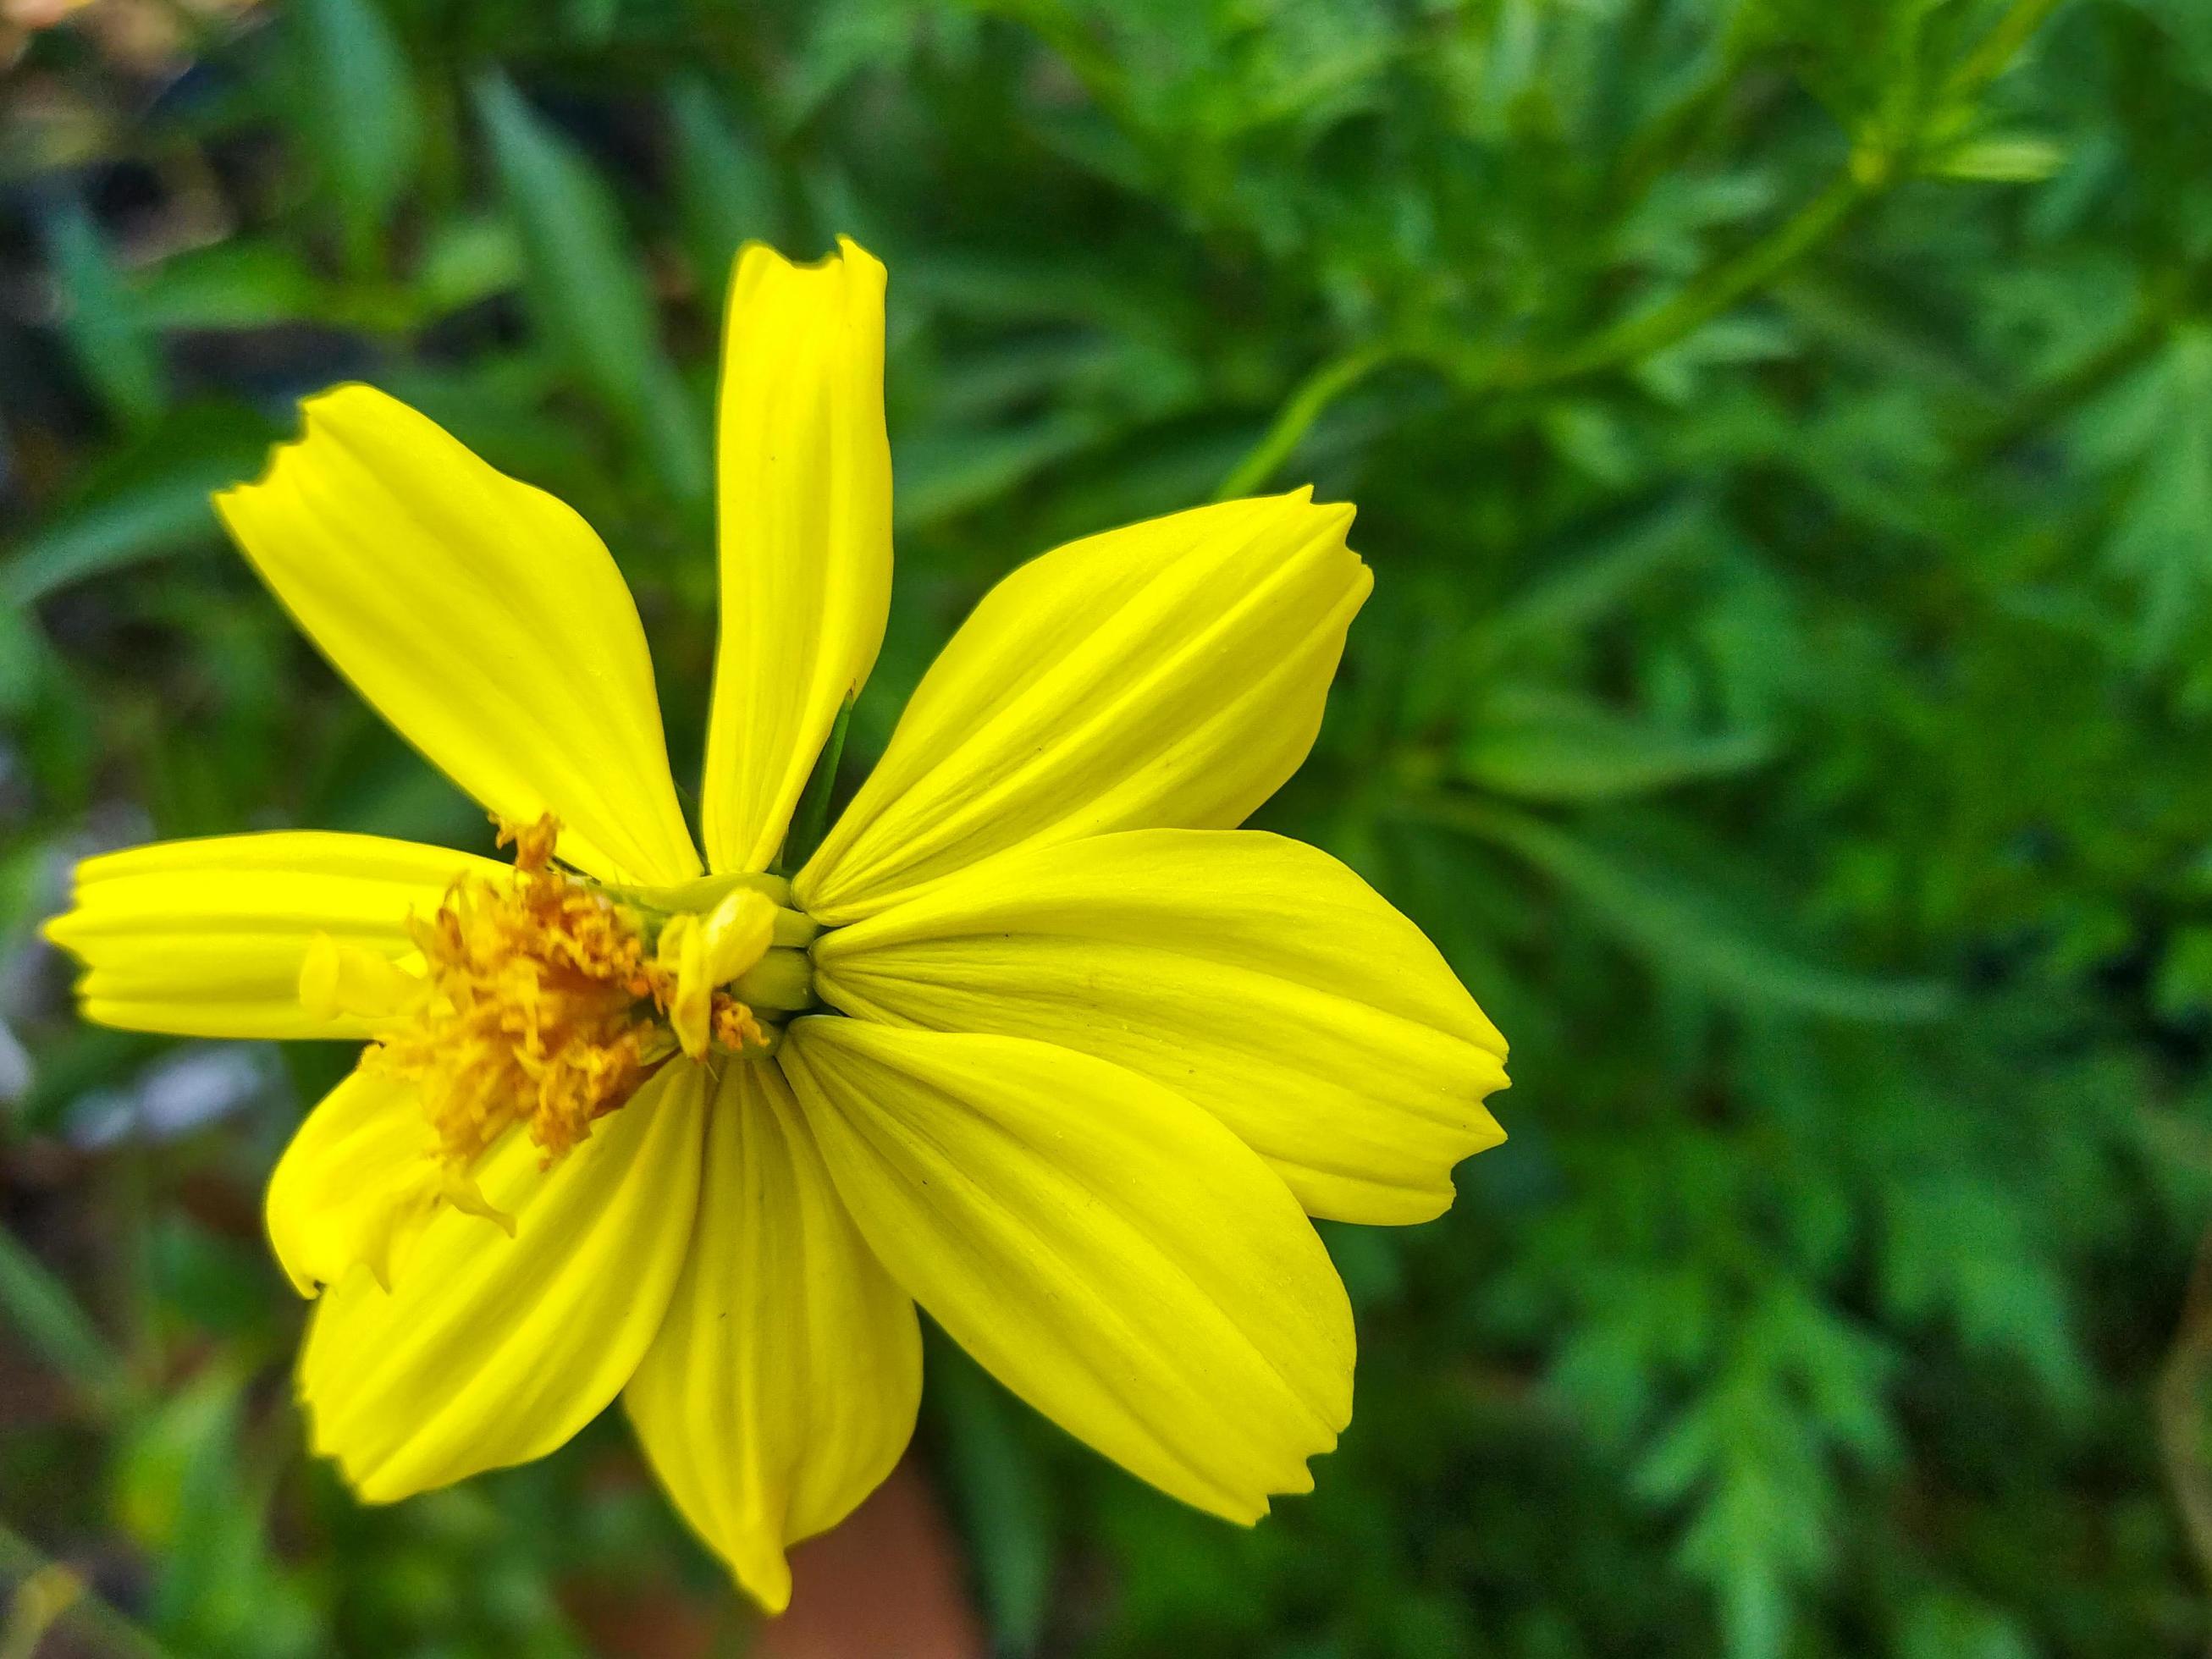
column 1036, row 1038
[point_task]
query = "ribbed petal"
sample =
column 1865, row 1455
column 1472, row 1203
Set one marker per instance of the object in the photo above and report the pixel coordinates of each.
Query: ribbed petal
column 491, row 1350
column 1110, row 1251
column 1250, row 974
column 205, row 937
column 806, row 505
column 481, row 617
column 1171, row 674
column 783, row 1385
column 358, row 1185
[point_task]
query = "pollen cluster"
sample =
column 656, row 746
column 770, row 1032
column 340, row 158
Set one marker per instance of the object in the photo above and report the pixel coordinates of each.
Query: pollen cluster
column 542, row 1007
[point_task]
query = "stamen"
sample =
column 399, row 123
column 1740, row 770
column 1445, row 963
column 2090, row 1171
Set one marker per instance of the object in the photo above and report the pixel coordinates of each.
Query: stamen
column 703, row 951
column 540, row 1005
column 545, row 1000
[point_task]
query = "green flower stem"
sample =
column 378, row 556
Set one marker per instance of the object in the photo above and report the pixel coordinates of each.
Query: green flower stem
column 1305, row 405
column 1635, row 338
column 1871, row 170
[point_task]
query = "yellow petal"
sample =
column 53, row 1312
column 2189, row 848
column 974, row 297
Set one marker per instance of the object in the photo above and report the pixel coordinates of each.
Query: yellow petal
column 207, row 938
column 1168, row 674
column 1250, row 974
column 482, row 616
column 805, row 508
column 356, row 1186
column 490, row 1349
column 1108, row 1251
column 783, row 1385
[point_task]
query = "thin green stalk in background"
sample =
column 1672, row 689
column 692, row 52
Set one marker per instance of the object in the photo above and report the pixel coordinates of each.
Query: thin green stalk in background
column 1305, row 405
column 1871, row 170
column 40, row 1309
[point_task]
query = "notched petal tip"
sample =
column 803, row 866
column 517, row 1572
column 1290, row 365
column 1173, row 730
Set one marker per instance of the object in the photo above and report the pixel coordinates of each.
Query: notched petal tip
column 759, row 262
column 315, row 412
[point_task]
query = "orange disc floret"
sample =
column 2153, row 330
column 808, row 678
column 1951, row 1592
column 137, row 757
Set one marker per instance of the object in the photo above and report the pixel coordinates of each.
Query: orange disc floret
column 543, row 1006
column 734, row 1026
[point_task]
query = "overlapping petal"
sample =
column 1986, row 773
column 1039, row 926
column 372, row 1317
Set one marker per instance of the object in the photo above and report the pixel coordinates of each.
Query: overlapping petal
column 1110, row 1251
column 482, row 616
column 205, row 937
column 783, row 1385
column 1171, row 673
column 489, row 1350
column 1254, row 976
column 805, row 506
column 358, row 1185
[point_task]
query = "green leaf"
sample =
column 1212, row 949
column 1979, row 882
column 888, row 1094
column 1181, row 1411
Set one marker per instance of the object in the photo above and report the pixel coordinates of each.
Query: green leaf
column 585, row 287
column 2008, row 158
column 724, row 187
column 46, row 1321
column 23, row 660
column 359, row 114
column 1589, row 581
column 467, row 260
column 1684, row 928
column 1557, row 749
column 233, row 285
column 180, row 1477
column 592, row 22
column 101, row 319
column 942, row 474
column 1003, row 1498
column 2162, row 536
column 149, row 499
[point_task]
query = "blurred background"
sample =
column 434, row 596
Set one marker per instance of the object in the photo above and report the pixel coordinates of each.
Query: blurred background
column 1782, row 432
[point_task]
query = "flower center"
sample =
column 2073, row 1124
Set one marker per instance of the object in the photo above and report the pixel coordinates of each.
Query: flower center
column 546, row 1001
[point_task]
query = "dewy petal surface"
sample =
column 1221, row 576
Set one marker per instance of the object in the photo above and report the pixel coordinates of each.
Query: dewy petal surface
column 356, row 1186
column 489, row 1350
column 805, row 508
column 482, row 617
column 783, row 1385
column 1110, row 1251
column 1171, row 673
column 1253, row 974
column 205, row 937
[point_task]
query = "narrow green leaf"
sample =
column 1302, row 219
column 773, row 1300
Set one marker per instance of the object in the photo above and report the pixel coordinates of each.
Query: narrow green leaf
column 1683, row 928
column 2006, row 158
column 148, row 500
column 100, row 321
column 1587, row 583
column 233, row 285
column 38, row 1308
column 1001, row 1494
column 586, row 286
column 1555, row 749
column 359, row 114
column 22, row 661
column 724, row 186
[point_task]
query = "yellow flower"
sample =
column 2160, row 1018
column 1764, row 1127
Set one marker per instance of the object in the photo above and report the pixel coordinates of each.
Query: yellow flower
column 1036, row 1038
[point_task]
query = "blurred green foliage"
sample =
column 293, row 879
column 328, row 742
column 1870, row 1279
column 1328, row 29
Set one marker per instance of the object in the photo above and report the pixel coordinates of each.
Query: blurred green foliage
column 1782, row 435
